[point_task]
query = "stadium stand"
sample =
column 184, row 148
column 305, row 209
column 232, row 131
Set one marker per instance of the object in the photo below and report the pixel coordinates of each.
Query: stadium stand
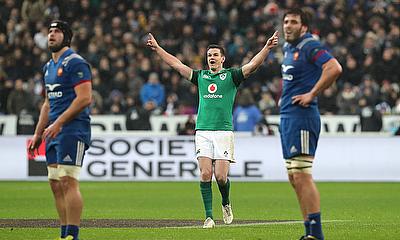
column 363, row 35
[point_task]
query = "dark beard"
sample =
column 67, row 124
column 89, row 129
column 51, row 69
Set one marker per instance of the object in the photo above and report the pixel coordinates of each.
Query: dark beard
column 296, row 35
column 56, row 48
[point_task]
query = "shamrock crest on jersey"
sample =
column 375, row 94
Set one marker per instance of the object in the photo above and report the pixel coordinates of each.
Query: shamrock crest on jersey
column 222, row 76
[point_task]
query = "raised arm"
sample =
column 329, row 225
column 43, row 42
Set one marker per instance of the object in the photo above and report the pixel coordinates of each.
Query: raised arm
column 170, row 59
column 259, row 58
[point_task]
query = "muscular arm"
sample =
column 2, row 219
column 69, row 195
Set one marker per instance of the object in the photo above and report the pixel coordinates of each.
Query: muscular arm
column 259, row 58
column 43, row 118
column 41, row 125
column 171, row 60
column 330, row 72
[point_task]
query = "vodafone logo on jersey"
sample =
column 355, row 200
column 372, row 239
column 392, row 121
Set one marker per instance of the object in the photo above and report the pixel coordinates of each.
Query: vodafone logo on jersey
column 212, row 88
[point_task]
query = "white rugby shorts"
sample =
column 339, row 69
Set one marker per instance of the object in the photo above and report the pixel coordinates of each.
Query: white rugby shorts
column 215, row 144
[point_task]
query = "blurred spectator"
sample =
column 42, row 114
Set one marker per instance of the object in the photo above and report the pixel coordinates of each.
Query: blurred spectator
column 389, row 93
column 18, row 99
column 33, row 11
column 26, row 122
column 363, row 36
column 188, row 128
column 267, row 103
column 369, row 83
column 96, row 106
column 188, row 101
column 5, row 89
column 352, row 72
column 388, row 66
column 327, row 102
column 178, row 86
column 115, row 103
column 396, row 108
column 138, row 116
column 153, row 91
column 370, row 118
column 263, row 128
column 275, row 87
column 347, row 100
column 246, row 114
column 171, row 108
column 40, row 37
column 256, row 91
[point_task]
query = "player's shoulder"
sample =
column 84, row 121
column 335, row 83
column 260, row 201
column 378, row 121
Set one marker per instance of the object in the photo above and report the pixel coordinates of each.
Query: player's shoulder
column 233, row 70
column 308, row 42
column 72, row 59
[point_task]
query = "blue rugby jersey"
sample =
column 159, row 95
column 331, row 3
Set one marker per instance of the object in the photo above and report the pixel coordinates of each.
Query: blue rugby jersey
column 301, row 70
column 60, row 79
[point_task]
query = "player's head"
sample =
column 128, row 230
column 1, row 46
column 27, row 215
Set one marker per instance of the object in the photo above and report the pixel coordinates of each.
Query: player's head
column 215, row 56
column 295, row 24
column 60, row 35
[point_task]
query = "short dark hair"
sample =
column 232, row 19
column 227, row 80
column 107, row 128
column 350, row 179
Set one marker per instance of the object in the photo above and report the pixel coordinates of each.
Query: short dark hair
column 305, row 17
column 221, row 49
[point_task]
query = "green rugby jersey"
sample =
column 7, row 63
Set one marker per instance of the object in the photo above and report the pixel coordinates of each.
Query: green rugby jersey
column 217, row 93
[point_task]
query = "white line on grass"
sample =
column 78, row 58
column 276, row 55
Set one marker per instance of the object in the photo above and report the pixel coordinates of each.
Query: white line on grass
column 261, row 223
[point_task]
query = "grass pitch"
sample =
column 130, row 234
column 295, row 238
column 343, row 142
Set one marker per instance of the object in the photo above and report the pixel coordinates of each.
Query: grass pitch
column 261, row 210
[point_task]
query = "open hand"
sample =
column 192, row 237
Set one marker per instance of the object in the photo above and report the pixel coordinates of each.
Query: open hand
column 52, row 131
column 34, row 144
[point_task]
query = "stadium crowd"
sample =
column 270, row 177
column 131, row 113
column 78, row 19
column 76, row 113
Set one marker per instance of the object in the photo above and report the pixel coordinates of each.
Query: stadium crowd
column 363, row 35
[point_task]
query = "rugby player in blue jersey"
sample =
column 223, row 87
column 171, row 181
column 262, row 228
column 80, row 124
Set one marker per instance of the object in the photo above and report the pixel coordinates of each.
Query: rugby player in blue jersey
column 64, row 124
column 307, row 69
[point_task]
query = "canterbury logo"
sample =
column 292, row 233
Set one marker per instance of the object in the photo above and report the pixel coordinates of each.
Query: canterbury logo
column 286, row 68
column 51, row 87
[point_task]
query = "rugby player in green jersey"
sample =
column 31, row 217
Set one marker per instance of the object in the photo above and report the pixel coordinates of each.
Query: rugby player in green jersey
column 217, row 89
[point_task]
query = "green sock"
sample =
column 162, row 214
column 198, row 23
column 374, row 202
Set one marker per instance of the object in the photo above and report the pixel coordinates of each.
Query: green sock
column 206, row 193
column 224, row 189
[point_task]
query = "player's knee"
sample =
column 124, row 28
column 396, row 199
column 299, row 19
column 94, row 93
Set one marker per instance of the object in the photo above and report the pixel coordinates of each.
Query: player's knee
column 291, row 180
column 206, row 174
column 53, row 173
column 56, row 187
column 221, row 179
column 299, row 178
column 302, row 180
